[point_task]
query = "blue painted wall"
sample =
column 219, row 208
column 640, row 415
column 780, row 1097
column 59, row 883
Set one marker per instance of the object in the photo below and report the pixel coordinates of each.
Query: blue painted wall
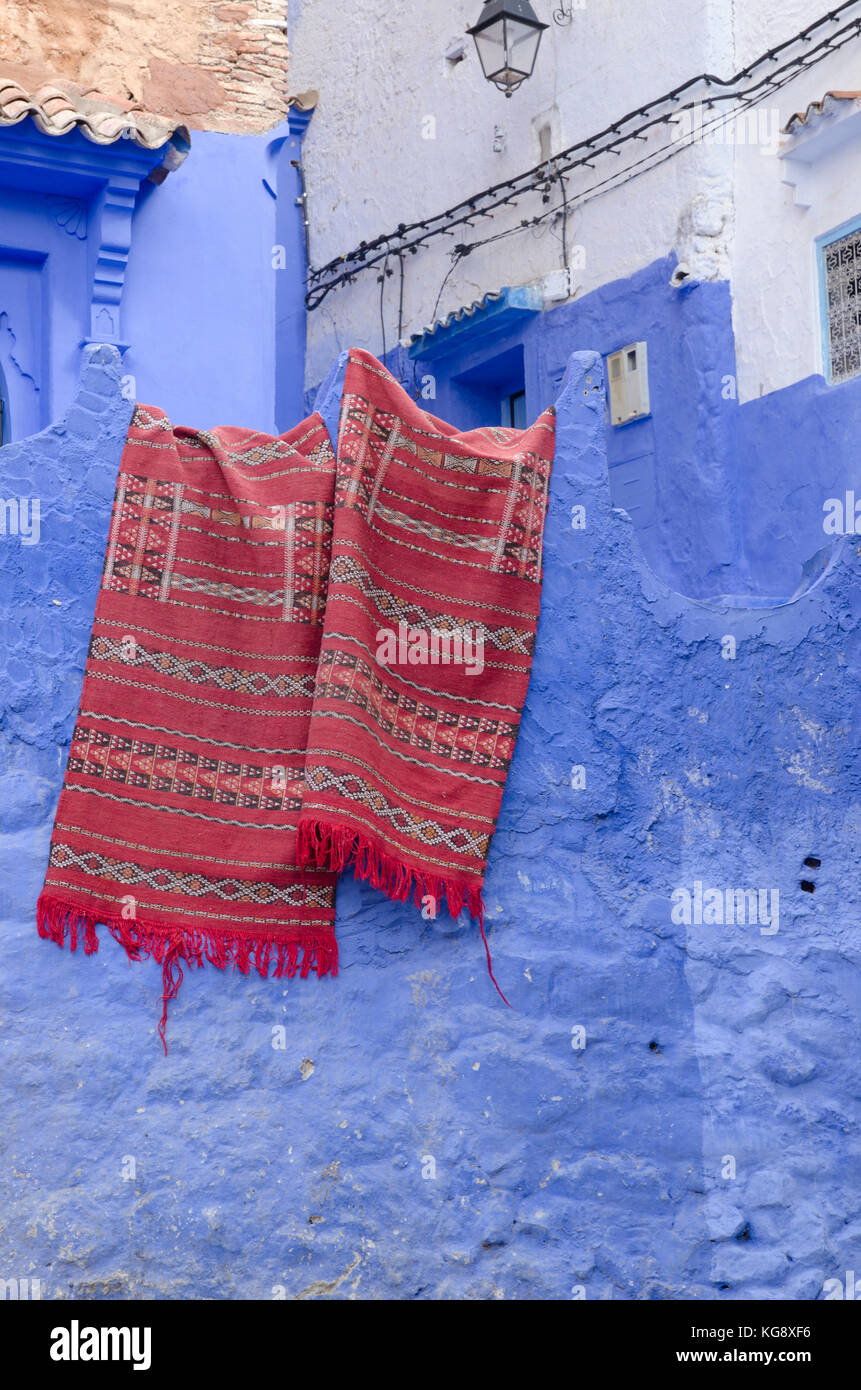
column 212, row 306
column 675, row 470
column 700, row 1145
column 202, row 292
column 796, row 449
column 726, row 499
column 40, row 327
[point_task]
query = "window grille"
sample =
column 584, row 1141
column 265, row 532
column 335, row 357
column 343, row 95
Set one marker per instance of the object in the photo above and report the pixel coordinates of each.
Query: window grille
column 842, row 275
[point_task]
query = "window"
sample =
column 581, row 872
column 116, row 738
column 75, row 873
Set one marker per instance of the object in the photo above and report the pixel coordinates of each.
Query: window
column 514, row 410
column 840, row 290
column 489, row 391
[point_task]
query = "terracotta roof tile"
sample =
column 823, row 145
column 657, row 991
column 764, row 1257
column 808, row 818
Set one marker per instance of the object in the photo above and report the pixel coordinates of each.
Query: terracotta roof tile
column 816, row 110
column 58, row 106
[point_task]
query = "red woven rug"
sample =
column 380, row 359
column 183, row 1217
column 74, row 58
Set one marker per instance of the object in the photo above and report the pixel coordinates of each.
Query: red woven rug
column 298, row 664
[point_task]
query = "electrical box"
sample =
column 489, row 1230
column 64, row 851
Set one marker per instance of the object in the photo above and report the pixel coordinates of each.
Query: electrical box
column 556, row 286
column 628, row 383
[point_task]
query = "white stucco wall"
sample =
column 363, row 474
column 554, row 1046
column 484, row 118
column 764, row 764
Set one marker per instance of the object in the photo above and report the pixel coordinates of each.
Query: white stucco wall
column 381, row 72
column 775, row 290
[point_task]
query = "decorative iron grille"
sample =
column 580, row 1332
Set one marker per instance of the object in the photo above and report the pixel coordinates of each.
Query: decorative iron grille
column 842, row 260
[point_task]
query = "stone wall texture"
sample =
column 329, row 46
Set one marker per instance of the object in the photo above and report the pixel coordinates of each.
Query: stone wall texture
column 212, row 66
column 668, row 1110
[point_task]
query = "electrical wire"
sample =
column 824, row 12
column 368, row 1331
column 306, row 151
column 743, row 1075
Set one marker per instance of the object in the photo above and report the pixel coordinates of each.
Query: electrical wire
column 343, row 269
column 635, row 170
column 564, row 222
column 401, row 299
column 382, row 312
column 456, row 256
column 614, row 180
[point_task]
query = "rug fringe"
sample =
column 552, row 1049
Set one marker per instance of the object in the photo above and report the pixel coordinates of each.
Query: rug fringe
column 172, row 946
column 325, row 845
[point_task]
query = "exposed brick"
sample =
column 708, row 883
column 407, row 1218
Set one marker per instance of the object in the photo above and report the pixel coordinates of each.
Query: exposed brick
column 184, row 90
column 117, row 52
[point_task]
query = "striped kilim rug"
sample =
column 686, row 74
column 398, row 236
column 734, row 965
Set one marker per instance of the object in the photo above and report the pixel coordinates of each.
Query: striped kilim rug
column 299, row 663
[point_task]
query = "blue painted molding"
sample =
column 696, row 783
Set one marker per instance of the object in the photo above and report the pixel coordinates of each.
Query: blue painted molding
column 284, row 153
column 487, row 317
column 298, row 119
column 105, row 180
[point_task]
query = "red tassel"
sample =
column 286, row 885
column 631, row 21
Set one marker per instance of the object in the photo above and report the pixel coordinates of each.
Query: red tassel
column 170, row 946
column 490, row 964
column 323, row 845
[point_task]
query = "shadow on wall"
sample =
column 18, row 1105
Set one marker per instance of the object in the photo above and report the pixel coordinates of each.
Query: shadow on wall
column 726, row 499
column 663, row 1114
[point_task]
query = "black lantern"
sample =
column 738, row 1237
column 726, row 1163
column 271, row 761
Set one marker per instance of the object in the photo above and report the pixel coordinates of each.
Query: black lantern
column 507, row 36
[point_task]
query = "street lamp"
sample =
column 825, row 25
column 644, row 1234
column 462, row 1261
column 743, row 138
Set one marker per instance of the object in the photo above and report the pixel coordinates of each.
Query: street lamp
column 507, row 36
